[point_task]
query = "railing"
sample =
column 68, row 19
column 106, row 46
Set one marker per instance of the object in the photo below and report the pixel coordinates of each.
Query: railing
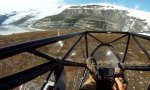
column 53, row 63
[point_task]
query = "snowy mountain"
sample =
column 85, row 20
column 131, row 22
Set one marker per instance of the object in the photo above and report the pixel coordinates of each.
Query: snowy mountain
column 132, row 12
column 105, row 17
column 101, row 16
column 25, row 18
column 4, row 17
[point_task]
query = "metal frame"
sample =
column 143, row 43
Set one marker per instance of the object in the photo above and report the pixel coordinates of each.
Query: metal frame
column 29, row 74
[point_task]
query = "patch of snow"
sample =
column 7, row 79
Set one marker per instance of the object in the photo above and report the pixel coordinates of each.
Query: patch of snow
column 113, row 6
column 35, row 14
column 20, row 15
column 50, row 13
column 147, row 34
column 60, row 43
column 140, row 14
column 132, row 12
column 121, row 53
column 145, row 27
column 74, row 53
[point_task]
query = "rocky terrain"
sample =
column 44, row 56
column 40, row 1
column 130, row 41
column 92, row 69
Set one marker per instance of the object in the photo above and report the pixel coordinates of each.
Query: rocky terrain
column 94, row 17
column 84, row 17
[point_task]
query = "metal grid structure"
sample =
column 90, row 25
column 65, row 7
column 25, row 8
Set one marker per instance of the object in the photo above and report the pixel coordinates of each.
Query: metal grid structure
column 55, row 64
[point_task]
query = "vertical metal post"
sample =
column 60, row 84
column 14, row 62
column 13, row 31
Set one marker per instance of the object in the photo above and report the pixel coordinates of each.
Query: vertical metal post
column 83, row 77
column 86, row 56
column 127, row 45
column 86, row 45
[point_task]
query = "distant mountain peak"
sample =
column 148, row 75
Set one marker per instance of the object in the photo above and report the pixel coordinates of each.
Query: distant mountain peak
column 28, row 16
column 74, row 15
column 98, row 17
column 106, row 6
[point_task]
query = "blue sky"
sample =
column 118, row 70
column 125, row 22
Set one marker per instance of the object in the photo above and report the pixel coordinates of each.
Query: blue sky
column 143, row 5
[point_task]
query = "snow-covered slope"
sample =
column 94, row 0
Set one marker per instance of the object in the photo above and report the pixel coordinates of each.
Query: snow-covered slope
column 132, row 12
column 33, row 15
column 20, row 15
column 30, row 15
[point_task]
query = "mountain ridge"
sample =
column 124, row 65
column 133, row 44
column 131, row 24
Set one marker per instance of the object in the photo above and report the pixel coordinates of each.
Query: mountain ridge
column 95, row 17
column 25, row 18
column 92, row 16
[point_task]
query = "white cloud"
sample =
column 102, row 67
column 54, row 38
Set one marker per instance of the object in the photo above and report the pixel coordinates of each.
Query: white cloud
column 19, row 5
